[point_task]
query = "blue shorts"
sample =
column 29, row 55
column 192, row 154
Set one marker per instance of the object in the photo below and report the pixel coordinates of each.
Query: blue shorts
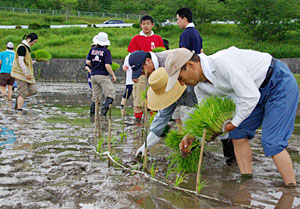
column 275, row 111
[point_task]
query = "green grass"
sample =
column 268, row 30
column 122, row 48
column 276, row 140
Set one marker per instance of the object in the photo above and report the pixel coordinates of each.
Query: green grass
column 75, row 42
column 10, row 18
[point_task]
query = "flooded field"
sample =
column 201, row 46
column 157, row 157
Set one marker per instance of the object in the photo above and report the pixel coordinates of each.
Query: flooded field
column 47, row 160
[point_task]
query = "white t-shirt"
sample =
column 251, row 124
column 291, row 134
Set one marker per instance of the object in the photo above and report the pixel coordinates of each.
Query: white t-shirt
column 129, row 71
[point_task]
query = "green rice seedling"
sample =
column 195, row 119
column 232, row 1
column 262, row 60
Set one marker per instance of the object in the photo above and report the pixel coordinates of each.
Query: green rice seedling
column 211, row 115
column 123, row 136
column 201, row 185
column 177, row 163
column 118, row 160
column 158, row 49
column 153, row 169
column 115, row 66
column 42, row 55
column 100, row 143
column 170, row 170
column 180, row 178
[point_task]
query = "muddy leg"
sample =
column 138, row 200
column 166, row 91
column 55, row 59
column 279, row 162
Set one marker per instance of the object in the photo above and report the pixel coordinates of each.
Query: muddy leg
column 284, row 165
column 243, row 154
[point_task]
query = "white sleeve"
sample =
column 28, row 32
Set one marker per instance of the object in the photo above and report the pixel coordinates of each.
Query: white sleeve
column 243, row 87
column 23, row 66
column 126, row 61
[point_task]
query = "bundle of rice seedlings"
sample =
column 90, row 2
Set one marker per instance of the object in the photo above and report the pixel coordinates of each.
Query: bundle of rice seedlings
column 115, row 66
column 158, row 49
column 42, row 55
column 177, row 163
column 211, row 115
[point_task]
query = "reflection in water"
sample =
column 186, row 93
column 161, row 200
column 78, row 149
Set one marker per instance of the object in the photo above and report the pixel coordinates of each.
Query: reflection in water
column 6, row 136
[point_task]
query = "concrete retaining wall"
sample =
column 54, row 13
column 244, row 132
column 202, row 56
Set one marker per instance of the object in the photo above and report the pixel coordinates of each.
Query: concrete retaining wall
column 68, row 70
column 71, row 70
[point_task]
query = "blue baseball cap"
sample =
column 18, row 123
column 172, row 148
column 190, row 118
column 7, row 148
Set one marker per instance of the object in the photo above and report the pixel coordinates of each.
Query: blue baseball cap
column 136, row 61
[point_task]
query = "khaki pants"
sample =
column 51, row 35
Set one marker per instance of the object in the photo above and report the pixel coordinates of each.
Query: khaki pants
column 102, row 84
column 138, row 89
column 26, row 89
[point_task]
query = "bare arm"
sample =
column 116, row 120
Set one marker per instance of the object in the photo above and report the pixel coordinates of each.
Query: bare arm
column 111, row 72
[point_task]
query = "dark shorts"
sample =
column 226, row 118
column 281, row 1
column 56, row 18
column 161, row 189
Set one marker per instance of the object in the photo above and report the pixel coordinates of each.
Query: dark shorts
column 6, row 79
column 128, row 91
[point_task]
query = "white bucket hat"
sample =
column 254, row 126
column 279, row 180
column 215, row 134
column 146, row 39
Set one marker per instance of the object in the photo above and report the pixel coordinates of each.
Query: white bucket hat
column 101, row 39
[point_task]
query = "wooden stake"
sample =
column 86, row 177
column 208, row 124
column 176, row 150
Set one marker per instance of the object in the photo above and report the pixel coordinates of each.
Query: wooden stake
column 146, row 122
column 96, row 124
column 200, row 161
column 109, row 134
column 123, row 116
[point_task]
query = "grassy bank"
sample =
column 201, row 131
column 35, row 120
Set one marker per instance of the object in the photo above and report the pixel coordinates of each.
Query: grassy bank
column 75, row 42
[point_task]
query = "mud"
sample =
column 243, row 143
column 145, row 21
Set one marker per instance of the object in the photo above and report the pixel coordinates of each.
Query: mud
column 47, row 161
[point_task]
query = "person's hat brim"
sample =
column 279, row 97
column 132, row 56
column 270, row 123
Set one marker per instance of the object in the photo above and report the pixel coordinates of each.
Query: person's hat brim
column 172, row 81
column 162, row 101
column 137, row 73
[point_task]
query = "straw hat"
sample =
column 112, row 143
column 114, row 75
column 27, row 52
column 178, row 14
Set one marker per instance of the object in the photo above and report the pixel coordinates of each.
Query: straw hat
column 158, row 98
column 101, row 39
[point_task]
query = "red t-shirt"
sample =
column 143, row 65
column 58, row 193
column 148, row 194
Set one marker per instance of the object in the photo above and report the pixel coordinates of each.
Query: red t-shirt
column 144, row 43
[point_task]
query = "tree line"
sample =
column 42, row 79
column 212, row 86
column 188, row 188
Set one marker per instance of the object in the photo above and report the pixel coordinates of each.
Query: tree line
column 261, row 19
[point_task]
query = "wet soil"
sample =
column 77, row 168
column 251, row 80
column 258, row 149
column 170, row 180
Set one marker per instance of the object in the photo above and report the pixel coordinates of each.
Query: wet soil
column 47, row 160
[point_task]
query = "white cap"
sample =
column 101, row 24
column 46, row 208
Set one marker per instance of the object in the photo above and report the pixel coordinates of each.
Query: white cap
column 10, row 45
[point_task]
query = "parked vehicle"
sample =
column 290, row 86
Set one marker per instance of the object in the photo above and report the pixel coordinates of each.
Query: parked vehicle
column 113, row 22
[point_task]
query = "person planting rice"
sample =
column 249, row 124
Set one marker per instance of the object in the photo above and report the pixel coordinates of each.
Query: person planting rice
column 265, row 93
column 148, row 61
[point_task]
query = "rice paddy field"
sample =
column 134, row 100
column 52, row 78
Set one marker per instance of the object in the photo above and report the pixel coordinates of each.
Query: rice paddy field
column 48, row 160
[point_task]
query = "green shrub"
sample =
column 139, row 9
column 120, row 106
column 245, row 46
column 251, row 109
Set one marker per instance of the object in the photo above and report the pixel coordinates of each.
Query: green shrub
column 55, row 42
column 115, row 66
column 37, row 46
column 58, row 19
column 45, row 26
column 124, row 41
column 42, row 55
column 136, row 25
column 34, row 26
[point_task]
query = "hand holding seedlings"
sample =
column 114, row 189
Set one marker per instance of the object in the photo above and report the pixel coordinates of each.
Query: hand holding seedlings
column 229, row 127
column 185, row 146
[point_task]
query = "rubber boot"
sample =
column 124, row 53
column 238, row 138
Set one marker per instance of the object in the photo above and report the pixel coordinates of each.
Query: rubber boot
column 92, row 108
column 105, row 106
column 228, row 151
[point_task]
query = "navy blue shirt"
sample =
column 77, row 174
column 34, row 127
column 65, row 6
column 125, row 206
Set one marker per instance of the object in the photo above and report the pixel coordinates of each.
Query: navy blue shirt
column 191, row 39
column 99, row 56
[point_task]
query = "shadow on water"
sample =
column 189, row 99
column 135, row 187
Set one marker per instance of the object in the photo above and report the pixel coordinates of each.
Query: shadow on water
column 47, row 161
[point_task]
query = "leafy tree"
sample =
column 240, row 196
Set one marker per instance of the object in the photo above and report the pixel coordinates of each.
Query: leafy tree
column 68, row 5
column 263, row 19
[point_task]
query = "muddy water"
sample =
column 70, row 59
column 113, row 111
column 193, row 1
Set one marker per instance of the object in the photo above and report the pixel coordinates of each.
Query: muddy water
column 47, row 161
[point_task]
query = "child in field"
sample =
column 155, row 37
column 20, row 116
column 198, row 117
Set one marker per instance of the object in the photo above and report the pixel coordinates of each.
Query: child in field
column 99, row 60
